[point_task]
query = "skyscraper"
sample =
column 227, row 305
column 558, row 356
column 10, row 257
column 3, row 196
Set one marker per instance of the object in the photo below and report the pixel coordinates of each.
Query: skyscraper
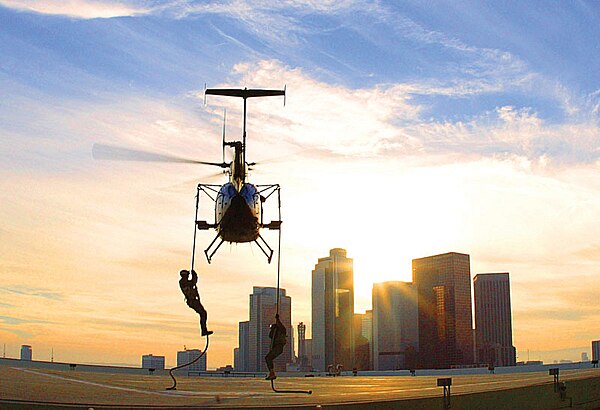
column 242, row 365
column 303, row 359
column 596, row 350
column 362, row 344
column 395, row 326
column 445, row 314
column 493, row 319
column 263, row 306
column 237, row 366
column 367, row 332
column 333, row 311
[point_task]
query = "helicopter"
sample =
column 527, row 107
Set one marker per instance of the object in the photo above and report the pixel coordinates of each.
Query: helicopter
column 238, row 204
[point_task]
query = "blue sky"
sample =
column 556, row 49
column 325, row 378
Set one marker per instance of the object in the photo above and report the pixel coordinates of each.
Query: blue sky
column 477, row 122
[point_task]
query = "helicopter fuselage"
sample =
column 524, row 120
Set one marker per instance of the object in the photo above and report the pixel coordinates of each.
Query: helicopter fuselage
column 238, row 212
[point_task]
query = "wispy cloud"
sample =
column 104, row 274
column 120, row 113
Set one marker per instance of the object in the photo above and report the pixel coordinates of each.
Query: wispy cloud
column 385, row 120
column 9, row 320
column 277, row 22
column 23, row 335
column 591, row 253
column 32, row 291
column 85, row 9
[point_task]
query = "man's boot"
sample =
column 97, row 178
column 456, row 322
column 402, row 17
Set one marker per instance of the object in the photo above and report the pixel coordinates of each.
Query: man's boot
column 271, row 375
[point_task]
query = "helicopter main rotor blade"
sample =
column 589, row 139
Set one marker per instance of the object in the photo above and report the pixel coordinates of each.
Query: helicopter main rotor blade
column 115, row 153
column 190, row 184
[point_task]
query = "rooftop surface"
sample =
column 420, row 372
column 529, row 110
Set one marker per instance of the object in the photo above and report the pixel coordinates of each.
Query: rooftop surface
column 26, row 386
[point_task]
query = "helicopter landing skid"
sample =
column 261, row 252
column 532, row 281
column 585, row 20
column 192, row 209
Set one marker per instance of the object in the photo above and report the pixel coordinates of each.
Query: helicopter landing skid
column 268, row 254
column 265, row 192
column 209, row 257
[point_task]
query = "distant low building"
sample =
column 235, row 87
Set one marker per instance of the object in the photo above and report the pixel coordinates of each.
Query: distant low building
column 292, row 367
column 26, row 352
column 225, row 369
column 150, row 361
column 186, row 356
column 584, row 357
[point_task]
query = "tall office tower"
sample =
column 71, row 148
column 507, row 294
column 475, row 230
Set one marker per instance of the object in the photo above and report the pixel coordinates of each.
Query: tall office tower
column 445, row 314
column 236, row 359
column 150, row 361
column 493, row 319
column 243, row 341
column 395, row 326
column 362, row 350
column 303, row 360
column 186, row 356
column 25, row 352
column 308, row 347
column 333, row 311
column 596, row 350
column 366, row 329
column 367, row 332
column 263, row 306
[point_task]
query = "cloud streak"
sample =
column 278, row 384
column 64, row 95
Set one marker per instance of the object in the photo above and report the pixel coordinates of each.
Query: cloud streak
column 84, row 9
column 385, row 120
column 24, row 290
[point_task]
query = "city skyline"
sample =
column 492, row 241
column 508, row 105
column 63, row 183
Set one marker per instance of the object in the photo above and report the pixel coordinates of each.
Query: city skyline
column 458, row 126
column 403, row 289
column 393, row 333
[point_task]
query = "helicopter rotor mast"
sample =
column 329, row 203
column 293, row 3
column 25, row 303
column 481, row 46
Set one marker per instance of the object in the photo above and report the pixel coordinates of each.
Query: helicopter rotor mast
column 244, row 93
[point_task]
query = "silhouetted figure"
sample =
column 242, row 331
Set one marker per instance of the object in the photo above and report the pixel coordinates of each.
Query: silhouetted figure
column 278, row 340
column 188, row 287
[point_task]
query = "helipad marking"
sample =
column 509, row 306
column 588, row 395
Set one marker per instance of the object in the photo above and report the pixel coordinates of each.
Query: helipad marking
column 172, row 393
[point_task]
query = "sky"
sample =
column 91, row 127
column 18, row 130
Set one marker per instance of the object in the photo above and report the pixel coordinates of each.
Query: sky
column 409, row 129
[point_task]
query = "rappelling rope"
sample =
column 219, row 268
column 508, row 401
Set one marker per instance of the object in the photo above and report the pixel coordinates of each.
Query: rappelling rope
column 278, row 248
column 191, row 270
column 196, row 219
column 174, row 386
column 278, row 299
column 289, row 391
